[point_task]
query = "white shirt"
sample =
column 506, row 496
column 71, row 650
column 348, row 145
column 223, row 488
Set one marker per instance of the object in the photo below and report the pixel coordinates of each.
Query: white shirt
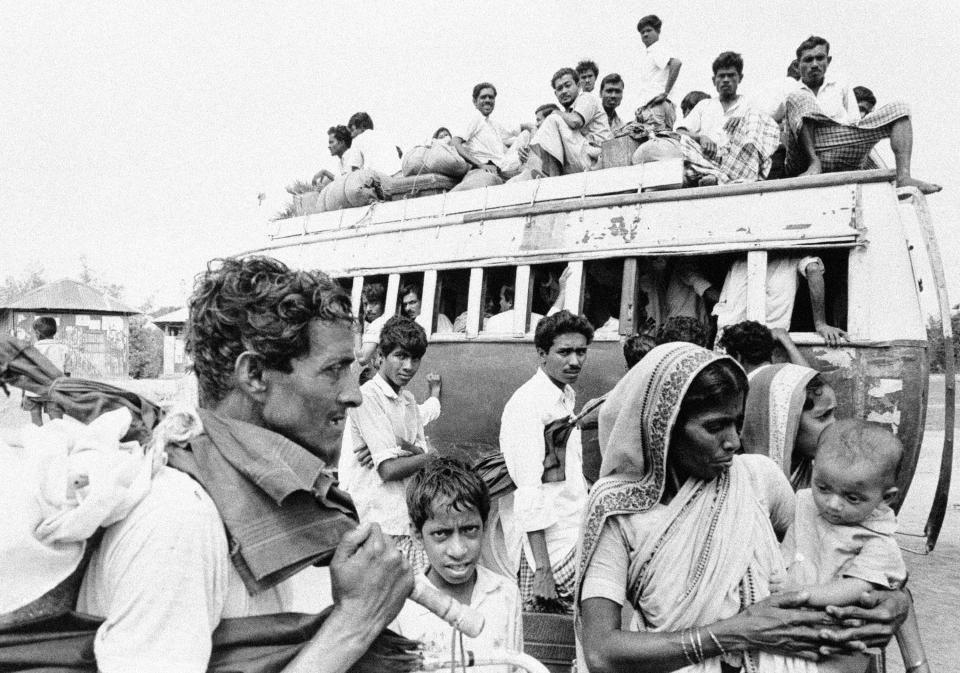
column 596, row 127
column 375, row 151
column 555, row 508
column 383, row 418
column 487, row 138
column 495, row 597
column 163, row 580
column 835, row 98
column 371, row 331
column 503, row 322
column 653, row 71
column 782, row 274
column 708, row 118
column 54, row 351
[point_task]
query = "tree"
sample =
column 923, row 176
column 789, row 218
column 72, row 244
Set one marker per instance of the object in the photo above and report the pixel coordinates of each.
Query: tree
column 145, row 349
column 94, row 280
column 13, row 288
column 937, row 352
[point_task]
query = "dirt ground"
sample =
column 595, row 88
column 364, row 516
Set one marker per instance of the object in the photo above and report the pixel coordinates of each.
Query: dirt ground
column 934, row 577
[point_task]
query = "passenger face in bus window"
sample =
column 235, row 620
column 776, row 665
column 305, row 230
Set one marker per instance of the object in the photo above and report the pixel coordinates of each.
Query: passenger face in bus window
column 506, row 298
column 372, row 311
column 411, row 305
column 564, row 361
column 822, row 401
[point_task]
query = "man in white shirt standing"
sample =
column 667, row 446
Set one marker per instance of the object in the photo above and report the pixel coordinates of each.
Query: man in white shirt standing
column 485, row 143
column 825, row 132
column 568, row 141
column 541, row 521
column 659, row 68
column 727, row 138
column 372, row 149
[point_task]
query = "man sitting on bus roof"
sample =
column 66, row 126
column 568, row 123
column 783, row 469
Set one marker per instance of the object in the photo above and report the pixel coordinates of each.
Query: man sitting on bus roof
column 568, row 141
column 541, row 521
column 485, row 143
column 782, row 272
column 611, row 95
column 726, row 138
column 339, row 143
column 373, row 150
column 824, row 129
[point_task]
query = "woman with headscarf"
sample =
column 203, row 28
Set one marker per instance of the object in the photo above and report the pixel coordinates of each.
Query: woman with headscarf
column 687, row 531
column 787, row 408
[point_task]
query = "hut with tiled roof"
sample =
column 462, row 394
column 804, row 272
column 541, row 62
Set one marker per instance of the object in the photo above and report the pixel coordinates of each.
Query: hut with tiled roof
column 175, row 358
column 95, row 326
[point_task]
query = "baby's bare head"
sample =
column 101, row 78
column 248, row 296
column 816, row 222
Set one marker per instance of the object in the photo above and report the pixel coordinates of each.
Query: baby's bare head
column 864, row 444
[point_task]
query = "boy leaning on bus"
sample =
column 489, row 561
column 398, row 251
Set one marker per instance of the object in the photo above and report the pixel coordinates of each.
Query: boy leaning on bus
column 388, row 425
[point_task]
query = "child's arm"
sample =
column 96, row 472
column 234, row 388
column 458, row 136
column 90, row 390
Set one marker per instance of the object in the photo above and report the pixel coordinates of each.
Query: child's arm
column 398, row 469
column 843, row 591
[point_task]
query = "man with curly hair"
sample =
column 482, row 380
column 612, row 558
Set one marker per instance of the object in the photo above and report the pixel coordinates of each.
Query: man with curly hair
column 752, row 345
column 239, row 528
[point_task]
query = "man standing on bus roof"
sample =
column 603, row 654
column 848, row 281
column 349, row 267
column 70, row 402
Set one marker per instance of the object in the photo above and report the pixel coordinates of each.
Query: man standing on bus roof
column 568, row 141
column 485, row 143
column 541, row 521
column 659, row 68
column 824, row 129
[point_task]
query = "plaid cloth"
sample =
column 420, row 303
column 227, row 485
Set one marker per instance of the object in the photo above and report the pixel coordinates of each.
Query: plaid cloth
column 840, row 147
column 565, row 578
column 754, row 137
column 413, row 551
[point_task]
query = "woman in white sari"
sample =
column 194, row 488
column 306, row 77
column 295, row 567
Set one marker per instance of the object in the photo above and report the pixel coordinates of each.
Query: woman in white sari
column 686, row 531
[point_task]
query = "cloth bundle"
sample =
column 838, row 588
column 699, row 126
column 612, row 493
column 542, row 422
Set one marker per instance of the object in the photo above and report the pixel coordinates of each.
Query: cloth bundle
column 437, row 157
column 657, row 148
column 476, row 179
column 66, row 480
column 357, row 188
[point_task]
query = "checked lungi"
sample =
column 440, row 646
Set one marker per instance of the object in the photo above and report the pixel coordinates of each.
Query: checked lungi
column 840, row 147
column 564, row 577
column 753, row 138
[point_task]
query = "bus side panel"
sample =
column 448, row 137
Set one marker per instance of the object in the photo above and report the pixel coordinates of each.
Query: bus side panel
column 886, row 384
column 478, row 379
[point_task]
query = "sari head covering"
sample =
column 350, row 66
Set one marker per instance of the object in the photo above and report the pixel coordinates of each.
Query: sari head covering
column 774, row 405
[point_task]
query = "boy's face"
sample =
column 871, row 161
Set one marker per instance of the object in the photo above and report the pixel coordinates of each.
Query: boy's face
column 399, row 366
column 452, row 540
column 846, row 492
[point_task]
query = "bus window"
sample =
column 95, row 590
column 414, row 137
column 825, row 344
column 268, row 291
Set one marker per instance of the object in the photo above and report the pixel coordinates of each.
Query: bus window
column 498, row 299
column 410, row 295
column 373, row 298
column 602, row 285
column 545, row 288
column 835, row 267
column 450, row 307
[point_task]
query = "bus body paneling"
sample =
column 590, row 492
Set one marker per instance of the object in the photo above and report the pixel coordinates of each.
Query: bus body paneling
column 880, row 375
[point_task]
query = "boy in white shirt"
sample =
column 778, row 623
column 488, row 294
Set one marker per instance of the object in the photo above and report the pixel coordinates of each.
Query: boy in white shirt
column 448, row 504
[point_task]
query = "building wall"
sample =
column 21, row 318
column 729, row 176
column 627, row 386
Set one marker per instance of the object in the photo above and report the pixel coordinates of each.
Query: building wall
column 98, row 343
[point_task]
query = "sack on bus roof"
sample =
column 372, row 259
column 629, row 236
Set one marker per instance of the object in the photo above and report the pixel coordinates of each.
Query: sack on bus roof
column 437, row 157
column 657, row 149
column 357, row 188
column 476, row 179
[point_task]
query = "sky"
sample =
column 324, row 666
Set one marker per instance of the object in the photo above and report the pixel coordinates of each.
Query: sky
column 139, row 135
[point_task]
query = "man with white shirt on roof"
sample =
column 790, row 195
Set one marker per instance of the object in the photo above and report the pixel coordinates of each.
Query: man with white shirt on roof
column 568, row 141
column 824, row 129
column 372, row 149
column 541, row 521
column 339, row 141
column 735, row 138
column 659, row 68
column 487, row 144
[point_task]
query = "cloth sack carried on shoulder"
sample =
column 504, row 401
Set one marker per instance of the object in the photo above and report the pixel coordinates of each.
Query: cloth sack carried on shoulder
column 357, row 188
column 437, row 157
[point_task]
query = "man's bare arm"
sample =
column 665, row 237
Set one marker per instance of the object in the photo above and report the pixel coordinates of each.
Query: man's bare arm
column 832, row 335
column 469, row 156
column 544, row 585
